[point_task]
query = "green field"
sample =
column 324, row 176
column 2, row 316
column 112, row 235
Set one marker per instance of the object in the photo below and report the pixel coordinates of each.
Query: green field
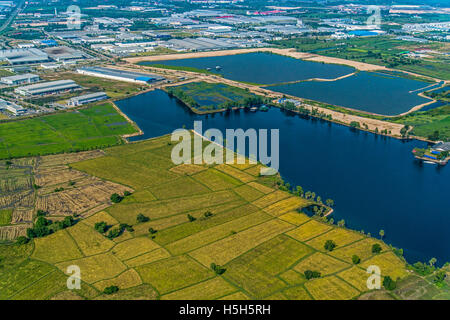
column 204, row 96
column 226, row 215
column 84, row 129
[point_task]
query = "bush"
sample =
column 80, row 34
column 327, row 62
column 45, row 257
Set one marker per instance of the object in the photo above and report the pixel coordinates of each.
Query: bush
column 217, row 269
column 101, row 227
column 22, row 240
column 41, row 213
column 116, row 198
column 111, row 290
column 152, row 231
column 141, row 218
column 309, row 274
column 208, row 214
column 376, row 248
column 389, row 284
column 191, row 218
column 356, row 259
column 329, row 245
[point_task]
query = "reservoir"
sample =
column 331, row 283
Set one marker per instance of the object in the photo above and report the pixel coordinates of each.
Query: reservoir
column 374, row 180
column 262, row 68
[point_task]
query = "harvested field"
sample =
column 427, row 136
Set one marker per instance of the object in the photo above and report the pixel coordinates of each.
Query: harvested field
column 16, row 199
column 51, row 177
column 22, row 215
column 66, row 158
column 12, row 232
column 80, row 199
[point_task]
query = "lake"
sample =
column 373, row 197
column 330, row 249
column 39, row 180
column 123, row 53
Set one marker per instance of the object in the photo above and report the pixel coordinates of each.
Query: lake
column 262, row 68
column 374, row 180
column 367, row 91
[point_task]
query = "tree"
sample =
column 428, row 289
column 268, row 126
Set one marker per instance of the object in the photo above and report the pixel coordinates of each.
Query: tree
column 355, row 259
column 141, row 218
column 381, row 234
column 432, row 262
column 126, row 193
column 341, row 223
column 329, row 245
column 217, row 269
column 111, row 290
column 309, row 274
column 191, row 218
column 101, row 226
column 376, row 248
column 389, row 284
column 116, row 198
column 208, row 214
column 152, row 231
column 329, row 202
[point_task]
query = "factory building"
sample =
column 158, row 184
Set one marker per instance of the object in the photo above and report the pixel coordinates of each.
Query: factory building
column 120, row 75
column 20, row 79
column 23, row 56
column 12, row 107
column 47, row 88
column 87, row 98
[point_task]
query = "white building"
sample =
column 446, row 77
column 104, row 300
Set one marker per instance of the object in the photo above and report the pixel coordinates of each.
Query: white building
column 20, row 79
column 12, row 107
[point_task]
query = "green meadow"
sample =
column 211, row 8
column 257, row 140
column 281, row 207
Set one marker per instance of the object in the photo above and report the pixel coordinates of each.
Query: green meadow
column 83, row 129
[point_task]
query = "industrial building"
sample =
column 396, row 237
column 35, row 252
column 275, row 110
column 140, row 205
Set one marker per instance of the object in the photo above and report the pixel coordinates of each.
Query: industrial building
column 20, row 79
column 63, row 53
column 23, row 56
column 47, row 88
column 121, row 75
column 87, row 98
column 12, row 107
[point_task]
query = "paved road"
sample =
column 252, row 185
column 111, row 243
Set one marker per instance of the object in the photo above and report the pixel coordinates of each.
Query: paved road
column 12, row 16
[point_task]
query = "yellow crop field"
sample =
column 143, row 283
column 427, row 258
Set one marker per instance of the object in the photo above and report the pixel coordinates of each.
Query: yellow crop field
column 256, row 270
column 182, row 187
column 89, row 240
column 356, row 276
column 254, row 170
column 330, row 288
column 134, row 247
column 286, row 205
column 309, row 230
column 207, row 290
column 141, row 196
column 224, row 250
column 101, row 216
column 207, row 236
column 173, row 273
column 44, row 287
column 271, row 198
column 363, row 249
column 56, row 247
column 297, row 293
column 128, row 279
column 340, row 236
column 389, row 264
column 152, row 256
column 321, row 262
column 258, row 186
column 95, row 268
column 295, row 218
column 292, row 277
column 236, row 296
column 159, row 224
column 248, row 193
column 188, row 169
column 216, row 180
column 236, row 173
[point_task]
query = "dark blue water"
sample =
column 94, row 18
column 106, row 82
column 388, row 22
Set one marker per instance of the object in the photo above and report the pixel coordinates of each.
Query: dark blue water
column 367, row 91
column 375, row 182
column 263, row 68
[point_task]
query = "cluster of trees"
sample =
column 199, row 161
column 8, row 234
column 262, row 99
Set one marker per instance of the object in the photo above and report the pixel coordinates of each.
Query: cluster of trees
column 111, row 290
column 43, row 227
column 116, row 198
column 288, row 105
column 310, row 274
column 103, row 227
column 142, row 218
column 329, row 245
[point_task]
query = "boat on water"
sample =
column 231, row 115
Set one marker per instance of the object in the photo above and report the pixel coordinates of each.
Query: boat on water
column 253, row 109
column 430, row 162
column 218, row 68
